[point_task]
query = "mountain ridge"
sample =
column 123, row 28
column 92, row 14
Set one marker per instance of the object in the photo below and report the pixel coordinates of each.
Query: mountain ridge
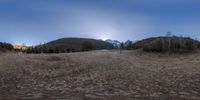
column 76, row 43
column 115, row 43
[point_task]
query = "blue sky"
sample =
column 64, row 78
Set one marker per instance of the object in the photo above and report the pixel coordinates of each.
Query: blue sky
column 38, row 21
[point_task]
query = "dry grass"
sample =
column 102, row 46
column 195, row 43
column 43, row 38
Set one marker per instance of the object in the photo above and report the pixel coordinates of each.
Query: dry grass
column 100, row 75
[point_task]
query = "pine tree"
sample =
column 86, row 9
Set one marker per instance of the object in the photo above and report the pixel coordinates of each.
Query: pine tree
column 121, row 47
column 86, row 45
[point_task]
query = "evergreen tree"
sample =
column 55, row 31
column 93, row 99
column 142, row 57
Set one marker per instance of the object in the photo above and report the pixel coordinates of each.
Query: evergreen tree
column 86, row 45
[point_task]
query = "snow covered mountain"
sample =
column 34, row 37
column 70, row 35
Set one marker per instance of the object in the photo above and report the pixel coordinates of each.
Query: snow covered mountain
column 115, row 43
column 127, row 42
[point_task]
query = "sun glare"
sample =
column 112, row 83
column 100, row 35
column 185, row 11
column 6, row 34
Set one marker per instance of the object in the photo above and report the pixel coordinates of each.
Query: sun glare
column 104, row 37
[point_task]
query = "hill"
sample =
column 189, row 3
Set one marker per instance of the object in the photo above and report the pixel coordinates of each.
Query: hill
column 163, row 44
column 5, row 47
column 76, row 43
column 70, row 45
column 20, row 47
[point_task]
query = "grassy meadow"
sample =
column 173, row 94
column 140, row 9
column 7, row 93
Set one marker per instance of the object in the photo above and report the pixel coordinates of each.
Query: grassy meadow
column 100, row 75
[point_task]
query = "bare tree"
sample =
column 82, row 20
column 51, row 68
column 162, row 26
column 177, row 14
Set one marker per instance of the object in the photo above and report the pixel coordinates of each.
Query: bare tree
column 163, row 43
column 181, row 44
column 121, row 47
column 169, row 40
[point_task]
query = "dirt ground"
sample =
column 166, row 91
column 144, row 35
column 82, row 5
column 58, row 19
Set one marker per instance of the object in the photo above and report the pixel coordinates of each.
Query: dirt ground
column 100, row 75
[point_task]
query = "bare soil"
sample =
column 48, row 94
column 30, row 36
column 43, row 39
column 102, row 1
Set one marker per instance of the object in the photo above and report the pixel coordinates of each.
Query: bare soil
column 100, row 75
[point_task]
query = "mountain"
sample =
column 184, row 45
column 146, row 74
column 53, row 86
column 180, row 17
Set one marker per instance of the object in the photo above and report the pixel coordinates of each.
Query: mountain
column 5, row 47
column 76, row 43
column 127, row 42
column 20, row 47
column 115, row 43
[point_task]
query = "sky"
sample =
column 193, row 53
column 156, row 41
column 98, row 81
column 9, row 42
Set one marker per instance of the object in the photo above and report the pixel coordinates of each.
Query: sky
column 33, row 22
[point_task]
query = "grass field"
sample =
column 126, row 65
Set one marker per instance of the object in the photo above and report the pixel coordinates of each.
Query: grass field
column 100, row 75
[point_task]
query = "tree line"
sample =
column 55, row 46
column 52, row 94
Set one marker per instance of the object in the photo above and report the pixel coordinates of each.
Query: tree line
column 42, row 48
column 6, row 47
column 154, row 44
column 165, row 44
